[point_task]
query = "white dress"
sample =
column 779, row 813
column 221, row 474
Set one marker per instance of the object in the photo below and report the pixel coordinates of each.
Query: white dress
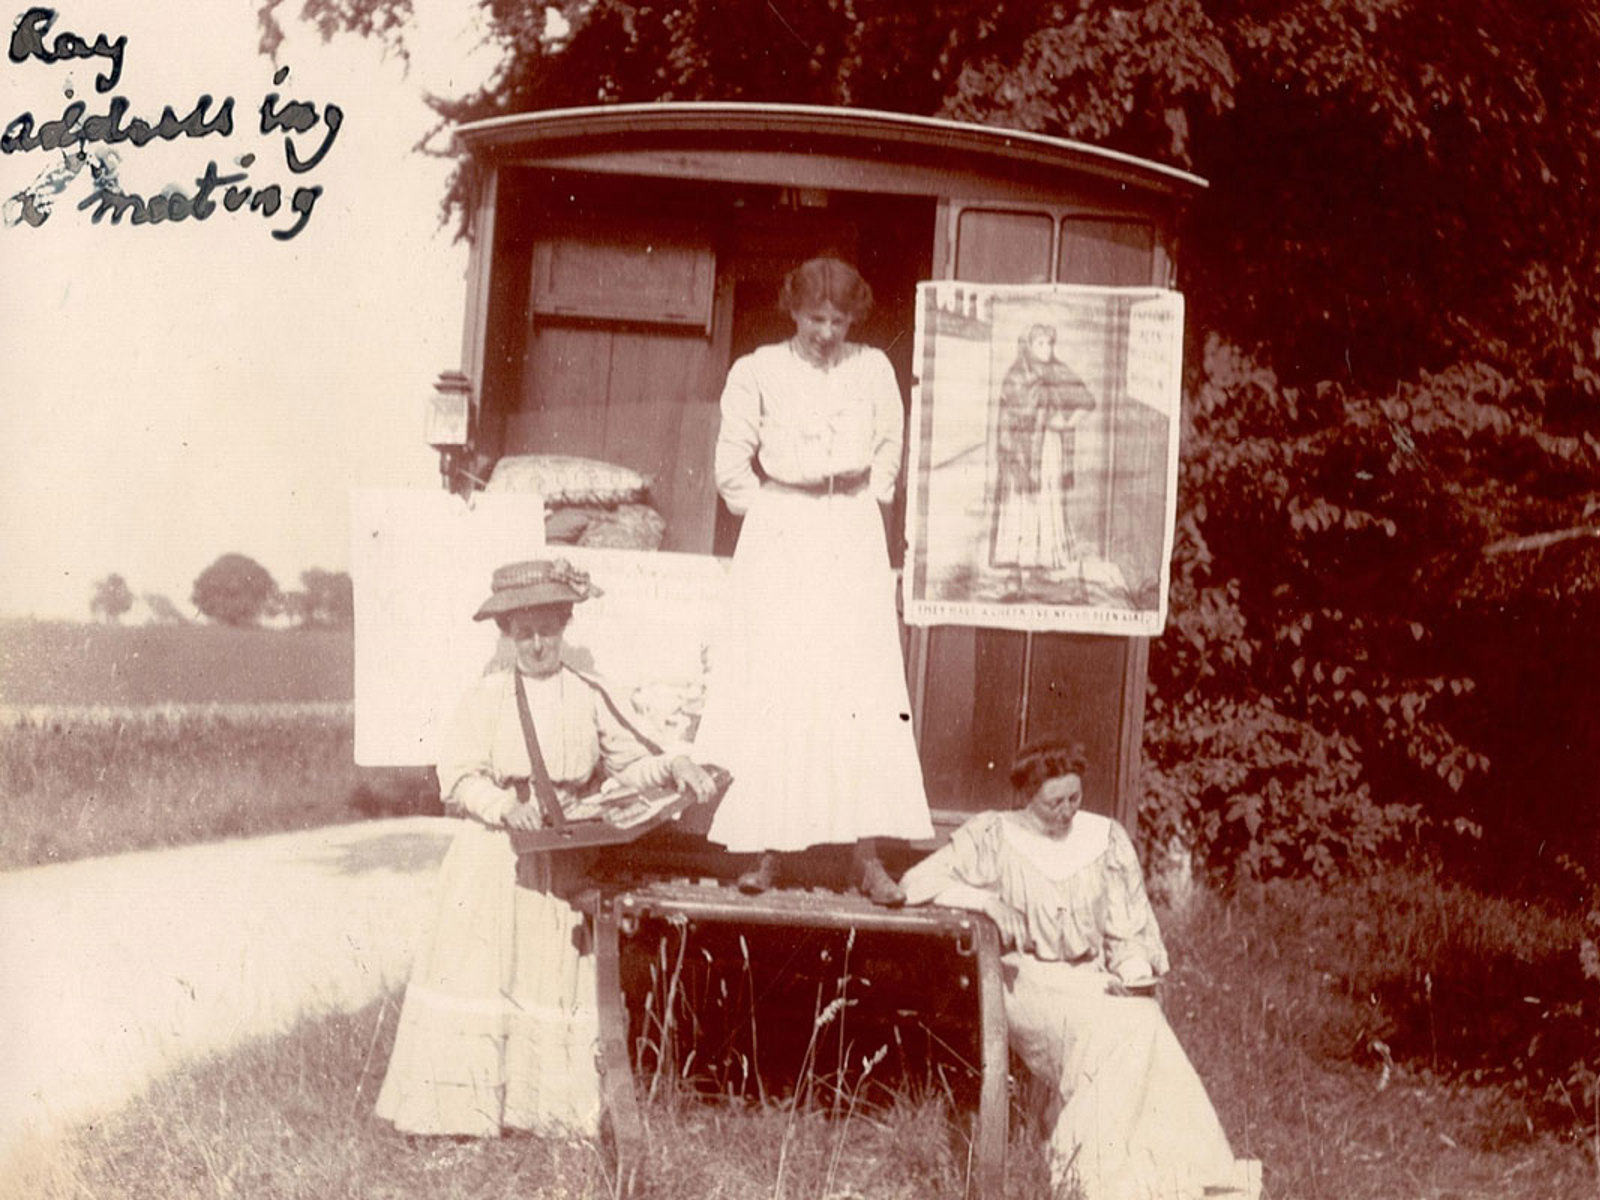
column 499, row 1028
column 807, row 703
column 1131, row 1119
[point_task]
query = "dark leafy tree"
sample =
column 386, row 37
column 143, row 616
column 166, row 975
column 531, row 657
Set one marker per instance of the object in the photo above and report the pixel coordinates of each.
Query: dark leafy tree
column 235, row 590
column 112, row 599
column 1388, row 565
column 1392, row 179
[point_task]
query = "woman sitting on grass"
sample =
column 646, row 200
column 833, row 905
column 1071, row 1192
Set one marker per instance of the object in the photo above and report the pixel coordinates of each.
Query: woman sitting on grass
column 500, row 1029
column 1130, row 1118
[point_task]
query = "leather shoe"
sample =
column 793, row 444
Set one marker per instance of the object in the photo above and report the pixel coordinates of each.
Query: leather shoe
column 878, row 887
column 761, row 879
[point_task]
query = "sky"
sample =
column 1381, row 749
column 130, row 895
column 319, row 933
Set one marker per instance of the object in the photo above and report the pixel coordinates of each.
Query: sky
column 176, row 391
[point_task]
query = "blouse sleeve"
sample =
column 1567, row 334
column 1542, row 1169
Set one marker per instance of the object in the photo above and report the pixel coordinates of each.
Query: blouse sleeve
column 888, row 429
column 739, row 438
column 467, row 778
column 1133, row 945
column 964, row 872
column 627, row 760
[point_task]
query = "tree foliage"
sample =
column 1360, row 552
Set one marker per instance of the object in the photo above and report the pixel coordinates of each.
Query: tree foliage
column 326, row 599
column 111, row 600
column 1388, row 570
column 234, row 590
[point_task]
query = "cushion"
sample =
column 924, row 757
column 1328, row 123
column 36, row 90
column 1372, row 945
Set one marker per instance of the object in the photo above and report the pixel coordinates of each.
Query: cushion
column 566, row 479
column 626, row 527
column 566, row 525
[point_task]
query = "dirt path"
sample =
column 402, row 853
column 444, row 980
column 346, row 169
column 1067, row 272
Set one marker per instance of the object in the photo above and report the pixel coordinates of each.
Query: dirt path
column 116, row 970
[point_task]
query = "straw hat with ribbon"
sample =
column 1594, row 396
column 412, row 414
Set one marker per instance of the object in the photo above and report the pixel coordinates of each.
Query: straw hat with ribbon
column 535, row 583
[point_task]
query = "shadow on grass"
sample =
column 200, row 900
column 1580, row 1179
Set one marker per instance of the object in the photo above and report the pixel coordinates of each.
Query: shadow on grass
column 408, row 852
column 396, row 792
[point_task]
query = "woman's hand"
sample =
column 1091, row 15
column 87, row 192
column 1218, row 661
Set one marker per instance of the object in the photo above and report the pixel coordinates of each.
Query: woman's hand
column 1133, row 976
column 1012, row 924
column 688, row 774
column 525, row 816
column 1118, row 988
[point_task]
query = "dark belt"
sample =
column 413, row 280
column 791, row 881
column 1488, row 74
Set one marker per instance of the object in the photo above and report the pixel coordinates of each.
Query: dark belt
column 846, row 483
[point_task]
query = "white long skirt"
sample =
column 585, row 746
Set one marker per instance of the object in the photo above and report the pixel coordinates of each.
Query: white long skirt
column 807, row 703
column 1131, row 1118
column 499, row 1028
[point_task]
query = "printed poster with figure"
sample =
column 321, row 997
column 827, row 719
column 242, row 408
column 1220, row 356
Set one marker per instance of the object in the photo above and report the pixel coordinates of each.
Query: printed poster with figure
column 1042, row 484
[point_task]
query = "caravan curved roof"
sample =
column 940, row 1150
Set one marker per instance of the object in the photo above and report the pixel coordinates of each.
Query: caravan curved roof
column 803, row 145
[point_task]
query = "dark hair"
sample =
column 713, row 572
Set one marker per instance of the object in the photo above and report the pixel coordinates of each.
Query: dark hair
column 504, row 619
column 1042, row 761
column 826, row 281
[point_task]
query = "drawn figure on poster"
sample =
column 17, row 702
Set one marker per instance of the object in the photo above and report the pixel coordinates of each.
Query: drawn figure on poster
column 1041, row 401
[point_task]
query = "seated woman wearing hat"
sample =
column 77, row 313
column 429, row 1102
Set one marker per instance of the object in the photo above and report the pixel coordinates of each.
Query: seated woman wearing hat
column 499, row 1028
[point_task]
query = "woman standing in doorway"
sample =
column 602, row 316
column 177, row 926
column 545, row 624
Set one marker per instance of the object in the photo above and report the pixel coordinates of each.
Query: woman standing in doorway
column 807, row 704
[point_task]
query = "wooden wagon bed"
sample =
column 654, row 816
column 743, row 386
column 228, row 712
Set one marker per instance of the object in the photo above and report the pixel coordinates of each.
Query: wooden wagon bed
column 698, row 911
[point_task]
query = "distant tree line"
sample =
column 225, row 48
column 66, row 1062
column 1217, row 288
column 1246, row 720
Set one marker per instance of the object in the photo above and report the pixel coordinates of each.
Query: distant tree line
column 236, row 590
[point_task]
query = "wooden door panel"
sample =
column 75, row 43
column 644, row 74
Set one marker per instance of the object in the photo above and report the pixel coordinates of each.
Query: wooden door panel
column 1075, row 685
column 982, row 693
column 565, row 380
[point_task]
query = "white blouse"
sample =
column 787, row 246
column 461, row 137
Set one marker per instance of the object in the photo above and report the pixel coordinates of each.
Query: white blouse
column 482, row 751
column 805, row 422
column 1083, row 895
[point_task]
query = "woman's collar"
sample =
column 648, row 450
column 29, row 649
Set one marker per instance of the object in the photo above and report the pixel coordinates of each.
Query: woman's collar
column 1082, row 844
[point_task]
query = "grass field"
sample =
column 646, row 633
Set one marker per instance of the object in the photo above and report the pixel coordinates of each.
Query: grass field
column 116, row 739
column 1273, row 1021
column 59, row 663
column 87, row 782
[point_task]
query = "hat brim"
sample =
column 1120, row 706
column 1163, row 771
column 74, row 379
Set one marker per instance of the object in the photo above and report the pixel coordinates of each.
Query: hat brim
column 535, row 595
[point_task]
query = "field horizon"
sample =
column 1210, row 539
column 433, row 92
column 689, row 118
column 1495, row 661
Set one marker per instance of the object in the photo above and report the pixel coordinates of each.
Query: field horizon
column 82, row 664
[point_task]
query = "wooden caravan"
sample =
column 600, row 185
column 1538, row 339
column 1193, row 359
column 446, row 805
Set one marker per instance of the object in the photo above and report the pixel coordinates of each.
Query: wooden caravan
column 622, row 257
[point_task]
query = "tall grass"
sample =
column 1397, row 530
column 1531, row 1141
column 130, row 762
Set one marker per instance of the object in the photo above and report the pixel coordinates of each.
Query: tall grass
column 1399, row 1035
column 81, row 782
column 291, row 1119
column 1269, row 1014
column 1330, row 1055
column 128, row 738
